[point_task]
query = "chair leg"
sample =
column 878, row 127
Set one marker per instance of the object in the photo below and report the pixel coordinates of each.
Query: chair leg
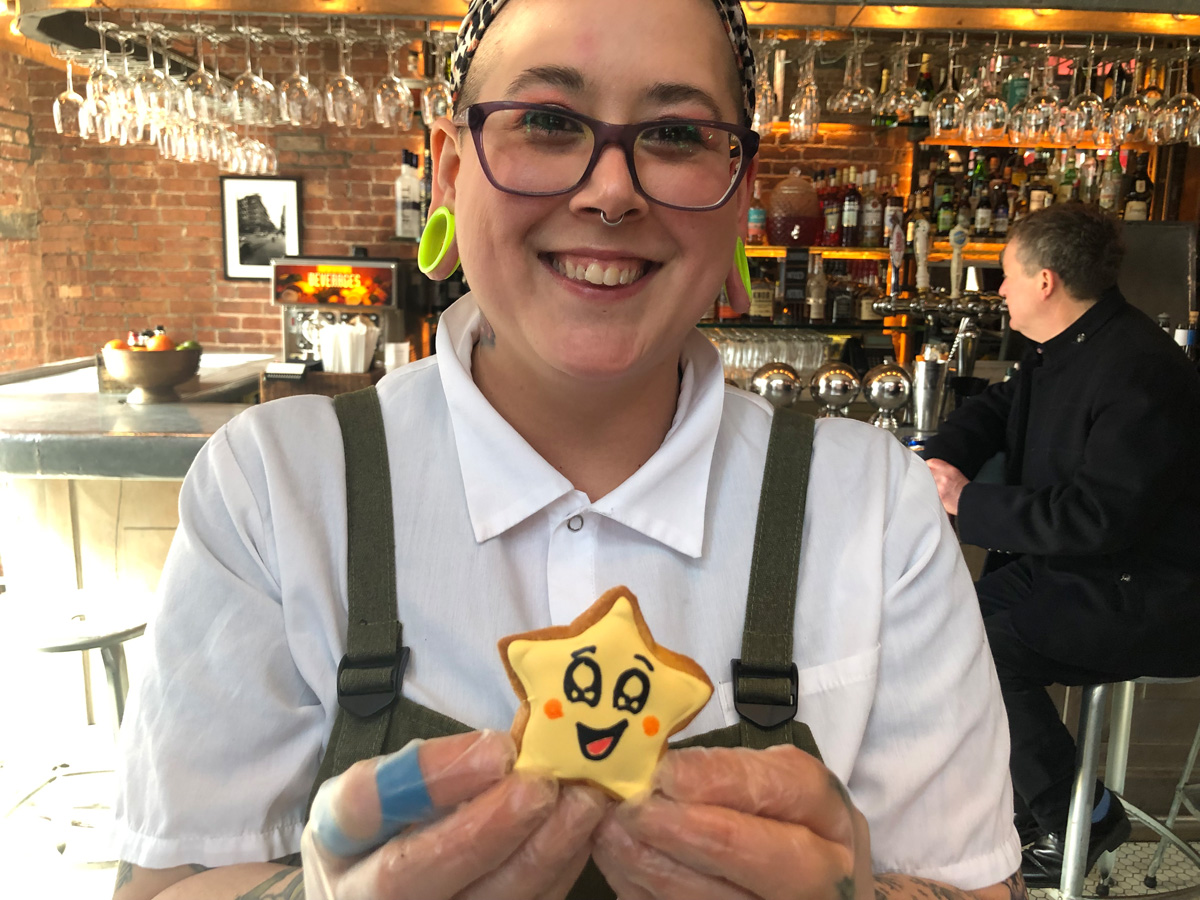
column 118, row 680
column 1079, row 819
column 1119, row 730
column 1151, row 879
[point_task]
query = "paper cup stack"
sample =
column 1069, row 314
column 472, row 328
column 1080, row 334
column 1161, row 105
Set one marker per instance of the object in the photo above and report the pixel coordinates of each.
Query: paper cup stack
column 349, row 346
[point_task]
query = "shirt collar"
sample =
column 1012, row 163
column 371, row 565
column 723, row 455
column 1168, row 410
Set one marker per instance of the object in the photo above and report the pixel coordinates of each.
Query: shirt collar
column 1085, row 327
column 506, row 481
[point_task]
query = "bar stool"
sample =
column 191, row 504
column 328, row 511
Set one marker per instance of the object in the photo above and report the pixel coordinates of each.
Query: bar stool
column 1079, row 819
column 1186, row 794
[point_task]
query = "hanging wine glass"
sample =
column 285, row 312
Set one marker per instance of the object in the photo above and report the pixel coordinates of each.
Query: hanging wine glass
column 201, row 94
column 899, row 100
column 100, row 114
column 392, row 100
column 345, row 99
column 1131, row 114
column 948, row 107
column 131, row 128
column 1041, row 111
column 1174, row 117
column 150, row 88
column 766, row 105
column 987, row 113
column 300, row 101
column 854, row 96
column 68, row 106
column 252, row 97
column 437, row 101
column 224, row 91
column 1084, row 116
column 804, row 114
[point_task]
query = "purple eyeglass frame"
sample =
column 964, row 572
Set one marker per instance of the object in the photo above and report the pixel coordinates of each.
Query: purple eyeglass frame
column 604, row 134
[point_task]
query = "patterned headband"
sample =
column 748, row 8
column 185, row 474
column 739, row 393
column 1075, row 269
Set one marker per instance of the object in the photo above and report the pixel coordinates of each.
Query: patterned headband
column 482, row 12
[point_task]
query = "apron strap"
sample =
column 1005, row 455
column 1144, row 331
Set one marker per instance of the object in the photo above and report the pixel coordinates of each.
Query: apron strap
column 765, row 682
column 371, row 673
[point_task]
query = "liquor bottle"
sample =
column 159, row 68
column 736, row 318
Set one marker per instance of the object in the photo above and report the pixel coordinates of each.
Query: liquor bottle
column 877, row 120
column 756, row 218
column 1137, row 201
column 1089, row 180
column 924, row 193
column 762, row 293
column 831, row 209
column 1068, row 185
column 979, row 179
column 1152, row 93
column 1041, row 194
column 1000, row 216
column 947, row 215
column 964, row 215
column 924, row 87
column 816, row 291
column 1019, row 210
column 872, row 213
column 893, row 210
column 943, row 183
column 1110, row 182
column 852, row 211
column 983, row 216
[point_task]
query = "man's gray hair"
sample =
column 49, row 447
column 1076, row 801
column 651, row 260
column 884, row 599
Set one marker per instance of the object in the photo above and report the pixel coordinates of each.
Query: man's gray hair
column 1081, row 244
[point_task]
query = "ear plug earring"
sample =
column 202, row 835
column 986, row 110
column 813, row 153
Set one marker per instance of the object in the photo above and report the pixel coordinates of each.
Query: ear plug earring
column 437, row 254
column 737, row 283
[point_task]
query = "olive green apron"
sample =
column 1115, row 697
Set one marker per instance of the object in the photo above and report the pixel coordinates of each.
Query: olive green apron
column 375, row 718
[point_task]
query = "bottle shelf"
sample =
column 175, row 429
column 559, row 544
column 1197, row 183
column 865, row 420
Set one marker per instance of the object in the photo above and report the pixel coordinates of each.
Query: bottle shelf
column 957, row 140
column 939, row 251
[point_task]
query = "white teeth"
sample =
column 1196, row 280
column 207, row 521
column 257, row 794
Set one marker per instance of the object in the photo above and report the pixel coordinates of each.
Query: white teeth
column 597, row 273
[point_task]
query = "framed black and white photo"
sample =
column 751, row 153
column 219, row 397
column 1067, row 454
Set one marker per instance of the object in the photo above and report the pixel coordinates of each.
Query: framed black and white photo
column 260, row 221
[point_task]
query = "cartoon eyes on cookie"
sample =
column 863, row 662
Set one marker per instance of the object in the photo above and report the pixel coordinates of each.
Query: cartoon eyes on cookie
column 583, row 683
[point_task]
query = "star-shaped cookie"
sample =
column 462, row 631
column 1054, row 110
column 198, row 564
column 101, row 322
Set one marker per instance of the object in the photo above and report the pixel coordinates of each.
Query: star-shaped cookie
column 599, row 697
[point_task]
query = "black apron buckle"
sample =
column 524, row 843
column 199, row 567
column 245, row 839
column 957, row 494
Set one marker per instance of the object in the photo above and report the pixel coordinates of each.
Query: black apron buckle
column 370, row 684
column 762, row 712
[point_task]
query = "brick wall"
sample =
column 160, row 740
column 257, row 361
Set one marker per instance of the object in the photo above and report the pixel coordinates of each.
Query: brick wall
column 118, row 238
column 21, row 317
column 122, row 239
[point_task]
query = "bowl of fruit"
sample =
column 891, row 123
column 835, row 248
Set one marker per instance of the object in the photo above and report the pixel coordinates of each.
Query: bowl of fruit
column 152, row 364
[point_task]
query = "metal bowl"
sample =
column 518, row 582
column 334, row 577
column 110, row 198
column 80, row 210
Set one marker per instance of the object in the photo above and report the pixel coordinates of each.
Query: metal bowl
column 834, row 385
column 778, row 383
column 153, row 374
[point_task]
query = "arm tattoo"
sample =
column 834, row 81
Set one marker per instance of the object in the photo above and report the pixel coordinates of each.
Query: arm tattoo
column 892, row 886
column 285, row 885
column 124, row 874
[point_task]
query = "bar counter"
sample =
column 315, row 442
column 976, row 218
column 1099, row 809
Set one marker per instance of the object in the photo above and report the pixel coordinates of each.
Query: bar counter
column 89, row 483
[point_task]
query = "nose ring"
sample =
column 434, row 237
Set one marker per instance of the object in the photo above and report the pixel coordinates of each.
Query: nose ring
column 604, row 219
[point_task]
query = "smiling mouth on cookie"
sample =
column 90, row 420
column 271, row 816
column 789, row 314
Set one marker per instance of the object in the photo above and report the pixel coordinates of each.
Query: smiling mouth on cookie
column 615, row 272
column 597, row 745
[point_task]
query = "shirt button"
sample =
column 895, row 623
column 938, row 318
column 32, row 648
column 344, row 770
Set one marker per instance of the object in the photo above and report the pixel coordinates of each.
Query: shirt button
column 575, row 523
column 1080, row 338
column 1127, row 577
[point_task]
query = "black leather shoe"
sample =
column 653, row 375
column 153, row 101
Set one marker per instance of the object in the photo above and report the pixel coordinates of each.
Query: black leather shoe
column 1027, row 829
column 1042, row 861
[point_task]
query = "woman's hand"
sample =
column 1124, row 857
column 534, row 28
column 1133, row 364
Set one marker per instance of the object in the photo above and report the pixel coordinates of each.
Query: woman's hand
column 738, row 824
column 491, row 834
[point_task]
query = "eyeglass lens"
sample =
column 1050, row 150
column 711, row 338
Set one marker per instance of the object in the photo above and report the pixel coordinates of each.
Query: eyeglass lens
column 535, row 151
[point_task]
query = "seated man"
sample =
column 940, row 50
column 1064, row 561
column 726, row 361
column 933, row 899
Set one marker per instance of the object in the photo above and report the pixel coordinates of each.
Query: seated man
column 1098, row 517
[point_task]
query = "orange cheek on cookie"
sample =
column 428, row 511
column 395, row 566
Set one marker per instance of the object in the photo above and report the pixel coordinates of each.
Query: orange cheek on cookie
column 650, row 726
column 553, row 709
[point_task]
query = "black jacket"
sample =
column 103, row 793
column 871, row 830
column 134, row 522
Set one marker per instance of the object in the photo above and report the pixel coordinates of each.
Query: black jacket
column 1103, row 505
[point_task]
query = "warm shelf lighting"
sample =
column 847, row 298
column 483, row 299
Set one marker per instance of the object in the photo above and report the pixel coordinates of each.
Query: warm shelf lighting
column 1044, row 12
column 1183, row 17
column 903, row 10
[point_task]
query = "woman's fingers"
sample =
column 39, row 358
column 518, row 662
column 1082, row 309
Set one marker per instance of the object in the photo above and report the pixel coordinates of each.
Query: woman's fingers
column 782, row 783
column 373, row 800
column 637, row 871
column 439, row 860
column 548, row 863
column 765, row 857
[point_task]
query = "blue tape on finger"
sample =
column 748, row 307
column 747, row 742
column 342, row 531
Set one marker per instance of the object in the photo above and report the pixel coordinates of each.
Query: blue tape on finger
column 403, row 800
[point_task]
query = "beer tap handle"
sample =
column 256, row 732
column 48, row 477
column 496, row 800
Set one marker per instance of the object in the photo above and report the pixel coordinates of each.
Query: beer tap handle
column 958, row 240
column 921, row 252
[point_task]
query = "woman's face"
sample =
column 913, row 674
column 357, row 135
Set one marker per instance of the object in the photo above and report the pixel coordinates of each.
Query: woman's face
column 619, row 61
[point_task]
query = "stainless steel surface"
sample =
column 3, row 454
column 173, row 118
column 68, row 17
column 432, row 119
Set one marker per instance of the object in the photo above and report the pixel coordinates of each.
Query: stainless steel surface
column 888, row 388
column 834, row 385
column 778, row 383
column 1079, row 822
column 929, row 392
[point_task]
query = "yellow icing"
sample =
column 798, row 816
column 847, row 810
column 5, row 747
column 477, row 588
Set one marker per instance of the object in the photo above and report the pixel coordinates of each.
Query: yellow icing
column 671, row 696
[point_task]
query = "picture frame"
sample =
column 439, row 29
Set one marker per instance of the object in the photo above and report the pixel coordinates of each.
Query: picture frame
column 260, row 221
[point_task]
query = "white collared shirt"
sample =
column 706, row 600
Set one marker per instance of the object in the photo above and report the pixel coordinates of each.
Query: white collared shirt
column 223, row 734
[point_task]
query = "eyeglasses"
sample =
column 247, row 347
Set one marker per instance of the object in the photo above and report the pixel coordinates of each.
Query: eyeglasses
column 535, row 150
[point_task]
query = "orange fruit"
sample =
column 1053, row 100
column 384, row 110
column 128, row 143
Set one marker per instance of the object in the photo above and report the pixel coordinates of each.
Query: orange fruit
column 160, row 342
column 116, row 344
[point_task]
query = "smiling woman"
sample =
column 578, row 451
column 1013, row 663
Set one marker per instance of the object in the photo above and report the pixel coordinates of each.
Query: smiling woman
column 344, row 569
